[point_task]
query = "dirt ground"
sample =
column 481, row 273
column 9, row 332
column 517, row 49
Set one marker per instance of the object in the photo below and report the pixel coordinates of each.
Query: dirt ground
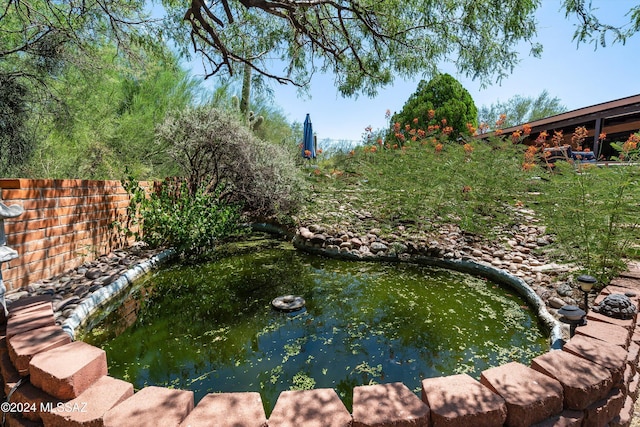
column 635, row 421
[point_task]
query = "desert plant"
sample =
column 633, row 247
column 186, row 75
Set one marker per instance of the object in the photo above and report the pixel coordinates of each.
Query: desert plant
column 442, row 101
column 192, row 223
column 219, row 154
column 592, row 211
column 172, row 216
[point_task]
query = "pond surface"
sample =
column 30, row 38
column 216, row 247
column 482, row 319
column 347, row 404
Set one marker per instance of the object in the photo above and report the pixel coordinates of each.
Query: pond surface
column 211, row 328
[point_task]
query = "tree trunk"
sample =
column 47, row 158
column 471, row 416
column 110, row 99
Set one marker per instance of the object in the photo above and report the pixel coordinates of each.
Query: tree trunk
column 246, row 92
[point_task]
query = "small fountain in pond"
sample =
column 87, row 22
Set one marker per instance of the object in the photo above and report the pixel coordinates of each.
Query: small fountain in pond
column 288, row 303
column 6, row 253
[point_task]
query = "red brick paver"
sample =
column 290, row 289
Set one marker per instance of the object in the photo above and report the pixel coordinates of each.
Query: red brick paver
column 388, row 405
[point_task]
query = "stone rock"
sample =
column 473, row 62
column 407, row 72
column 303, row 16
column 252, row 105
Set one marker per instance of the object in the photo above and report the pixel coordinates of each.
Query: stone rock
column 399, row 248
column 499, row 253
column 564, row 290
column 378, row 247
column 305, row 233
column 93, row 273
column 316, row 229
column 542, row 241
column 334, row 241
column 345, row 245
column 318, row 239
column 556, row 302
column 333, row 249
column 94, row 288
column 356, row 243
column 59, row 306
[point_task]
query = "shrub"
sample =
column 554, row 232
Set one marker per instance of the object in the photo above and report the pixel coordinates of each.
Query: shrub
column 218, row 154
column 190, row 223
column 172, row 216
column 593, row 211
column 442, row 102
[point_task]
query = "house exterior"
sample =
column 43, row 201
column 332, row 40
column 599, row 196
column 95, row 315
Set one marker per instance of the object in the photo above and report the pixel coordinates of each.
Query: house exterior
column 617, row 119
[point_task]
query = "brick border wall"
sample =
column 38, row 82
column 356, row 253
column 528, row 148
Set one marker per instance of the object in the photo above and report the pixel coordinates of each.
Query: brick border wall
column 65, row 223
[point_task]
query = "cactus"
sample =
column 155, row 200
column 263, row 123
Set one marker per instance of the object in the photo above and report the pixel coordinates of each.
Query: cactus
column 235, row 103
column 255, row 121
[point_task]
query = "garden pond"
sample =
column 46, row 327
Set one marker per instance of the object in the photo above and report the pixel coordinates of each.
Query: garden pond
column 211, row 328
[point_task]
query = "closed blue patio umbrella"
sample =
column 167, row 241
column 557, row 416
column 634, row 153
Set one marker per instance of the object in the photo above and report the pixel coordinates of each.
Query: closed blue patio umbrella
column 308, row 147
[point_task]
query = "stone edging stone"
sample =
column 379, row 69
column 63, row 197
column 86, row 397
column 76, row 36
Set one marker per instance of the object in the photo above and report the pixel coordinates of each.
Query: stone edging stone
column 97, row 299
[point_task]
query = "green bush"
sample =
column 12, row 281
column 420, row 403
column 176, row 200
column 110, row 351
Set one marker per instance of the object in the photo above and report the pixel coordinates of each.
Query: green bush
column 593, row 212
column 446, row 99
column 216, row 152
column 172, row 216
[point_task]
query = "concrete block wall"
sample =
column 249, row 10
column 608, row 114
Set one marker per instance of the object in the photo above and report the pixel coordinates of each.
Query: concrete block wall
column 592, row 382
column 66, row 222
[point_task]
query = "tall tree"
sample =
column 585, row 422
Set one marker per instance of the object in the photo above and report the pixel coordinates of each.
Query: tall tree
column 364, row 43
column 41, row 38
column 520, row 109
column 442, row 101
column 105, row 121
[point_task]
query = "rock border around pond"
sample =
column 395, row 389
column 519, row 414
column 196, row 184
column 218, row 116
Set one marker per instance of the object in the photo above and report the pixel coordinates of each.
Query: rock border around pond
column 78, row 293
column 102, row 296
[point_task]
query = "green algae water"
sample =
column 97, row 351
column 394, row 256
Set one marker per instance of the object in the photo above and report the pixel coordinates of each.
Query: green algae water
column 211, row 328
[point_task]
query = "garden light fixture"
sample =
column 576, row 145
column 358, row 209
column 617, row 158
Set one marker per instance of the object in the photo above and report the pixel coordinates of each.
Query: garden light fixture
column 574, row 316
column 586, row 284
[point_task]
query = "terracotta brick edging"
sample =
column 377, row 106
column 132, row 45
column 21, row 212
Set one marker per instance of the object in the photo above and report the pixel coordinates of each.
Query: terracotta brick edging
column 592, row 381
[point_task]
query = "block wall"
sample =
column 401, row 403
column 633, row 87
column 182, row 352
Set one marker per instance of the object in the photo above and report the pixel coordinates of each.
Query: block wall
column 65, row 223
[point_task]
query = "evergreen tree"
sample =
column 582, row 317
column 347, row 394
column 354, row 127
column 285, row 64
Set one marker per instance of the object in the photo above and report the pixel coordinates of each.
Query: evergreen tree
column 442, row 101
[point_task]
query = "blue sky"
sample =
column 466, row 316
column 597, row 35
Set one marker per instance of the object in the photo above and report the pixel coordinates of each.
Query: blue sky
column 579, row 77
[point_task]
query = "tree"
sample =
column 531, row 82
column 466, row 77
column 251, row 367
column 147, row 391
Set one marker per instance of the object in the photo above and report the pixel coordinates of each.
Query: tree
column 365, row 44
column 42, row 33
column 39, row 39
column 591, row 30
column 442, row 98
column 521, row 109
column 15, row 144
column 103, row 123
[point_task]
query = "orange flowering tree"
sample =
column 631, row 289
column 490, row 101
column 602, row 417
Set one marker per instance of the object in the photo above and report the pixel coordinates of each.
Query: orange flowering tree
column 628, row 151
column 440, row 104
